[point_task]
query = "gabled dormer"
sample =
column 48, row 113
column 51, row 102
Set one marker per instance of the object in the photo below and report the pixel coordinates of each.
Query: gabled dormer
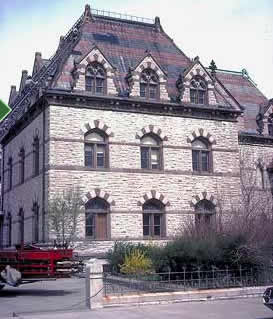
column 198, row 85
column 148, row 80
column 94, row 74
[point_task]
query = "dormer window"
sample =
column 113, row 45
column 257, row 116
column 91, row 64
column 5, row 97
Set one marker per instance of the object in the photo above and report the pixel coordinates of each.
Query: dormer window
column 198, row 91
column 149, row 84
column 95, row 79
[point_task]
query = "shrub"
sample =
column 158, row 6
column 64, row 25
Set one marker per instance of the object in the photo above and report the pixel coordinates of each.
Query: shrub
column 136, row 263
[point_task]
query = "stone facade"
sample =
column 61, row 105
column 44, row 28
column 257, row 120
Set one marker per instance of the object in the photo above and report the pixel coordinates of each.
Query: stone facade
column 64, row 113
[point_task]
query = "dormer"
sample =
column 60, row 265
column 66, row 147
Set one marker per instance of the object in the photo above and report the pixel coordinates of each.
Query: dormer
column 94, row 74
column 148, row 81
column 198, row 86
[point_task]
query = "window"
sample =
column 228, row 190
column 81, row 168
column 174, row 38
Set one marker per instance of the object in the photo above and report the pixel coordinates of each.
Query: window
column 153, row 219
column 10, row 173
column 151, row 152
column 21, row 226
column 260, row 177
column 201, row 156
column 95, row 79
column 35, row 210
column 149, row 84
column 95, row 150
column 198, row 91
column 22, row 166
column 96, row 218
column 9, row 229
column 270, row 125
column 36, row 156
column 204, row 214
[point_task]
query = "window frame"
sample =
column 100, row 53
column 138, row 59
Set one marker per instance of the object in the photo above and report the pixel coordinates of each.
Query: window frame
column 22, row 166
column 94, row 145
column 196, row 91
column 94, row 212
column 200, row 152
column 9, row 229
column 159, row 209
column 158, row 147
column 94, row 78
column 147, row 85
column 270, row 125
column 205, row 218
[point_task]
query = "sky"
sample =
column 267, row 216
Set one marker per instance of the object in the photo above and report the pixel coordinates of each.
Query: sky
column 236, row 34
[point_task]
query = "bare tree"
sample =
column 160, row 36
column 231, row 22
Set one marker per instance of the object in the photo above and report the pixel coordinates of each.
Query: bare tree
column 64, row 211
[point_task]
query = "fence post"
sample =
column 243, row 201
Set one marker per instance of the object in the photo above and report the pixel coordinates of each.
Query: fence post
column 94, row 284
column 241, row 275
column 184, row 276
column 227, row 274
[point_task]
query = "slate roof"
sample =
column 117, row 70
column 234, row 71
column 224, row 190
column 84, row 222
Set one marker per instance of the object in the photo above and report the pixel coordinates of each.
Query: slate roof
column 125, row 43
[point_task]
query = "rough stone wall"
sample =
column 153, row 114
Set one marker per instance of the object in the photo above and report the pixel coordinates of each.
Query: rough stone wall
column 125, row 181
column 24, row 195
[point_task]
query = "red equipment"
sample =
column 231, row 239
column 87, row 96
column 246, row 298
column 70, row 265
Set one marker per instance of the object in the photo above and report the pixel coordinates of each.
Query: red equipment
column 37, row 264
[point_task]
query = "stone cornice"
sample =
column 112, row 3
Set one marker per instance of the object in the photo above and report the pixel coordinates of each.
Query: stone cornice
column 138, row 105
column 250, row 138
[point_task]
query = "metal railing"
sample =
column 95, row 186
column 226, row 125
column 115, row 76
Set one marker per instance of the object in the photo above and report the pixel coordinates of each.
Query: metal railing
column 122, row 16
column 118, row 284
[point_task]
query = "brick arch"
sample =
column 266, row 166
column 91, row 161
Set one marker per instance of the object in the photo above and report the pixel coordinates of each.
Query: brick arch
column 96, row 124
column 201, row 133
column 151, row 129
column 204, row 195
column 153, row 195
column 97, row 192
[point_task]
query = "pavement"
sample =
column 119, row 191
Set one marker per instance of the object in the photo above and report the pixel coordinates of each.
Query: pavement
column 250, row 308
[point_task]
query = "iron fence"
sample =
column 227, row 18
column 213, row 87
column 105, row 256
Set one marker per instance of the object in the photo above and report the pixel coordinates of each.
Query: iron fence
column 118, row 284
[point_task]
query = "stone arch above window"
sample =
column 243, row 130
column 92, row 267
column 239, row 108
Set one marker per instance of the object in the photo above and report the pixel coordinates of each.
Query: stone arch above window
column 94, row 57
column 97, row 192
column 97, row 124
column 203, row 196
column 135, row 77
column 201, row 133
column 151, row 129
column 153, row 194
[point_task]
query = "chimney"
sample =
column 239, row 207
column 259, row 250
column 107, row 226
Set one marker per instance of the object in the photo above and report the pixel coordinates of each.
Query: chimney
column 12, row 94
column 23, row 81
column 37, row 63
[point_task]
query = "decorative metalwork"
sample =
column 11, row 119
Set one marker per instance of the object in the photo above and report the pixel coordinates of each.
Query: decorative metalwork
column 180, row 87
column 260, row 121
column 213, row 68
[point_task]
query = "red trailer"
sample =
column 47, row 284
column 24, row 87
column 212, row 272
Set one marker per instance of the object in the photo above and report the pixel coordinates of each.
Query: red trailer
column 32, row 264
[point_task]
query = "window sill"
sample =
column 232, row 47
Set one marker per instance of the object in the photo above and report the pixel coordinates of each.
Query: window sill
column 202, row 173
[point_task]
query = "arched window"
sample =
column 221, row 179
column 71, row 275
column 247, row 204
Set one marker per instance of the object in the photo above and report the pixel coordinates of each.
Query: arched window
column 95, row 79
column 9, row 229
column 97, row 218
column 260, row 177
column 22, row 166
column 10, row 173
column 36, row 155
column 35, row 216
column 153, row 218
column 151, row 152
column 270, row 125
column 149, row 84
column 201, row 155
column 204, row 214
column 198, row 90
column 21, row 226
column 95, row 149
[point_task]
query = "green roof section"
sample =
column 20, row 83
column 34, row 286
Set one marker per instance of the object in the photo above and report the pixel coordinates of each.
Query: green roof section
column 4, row 110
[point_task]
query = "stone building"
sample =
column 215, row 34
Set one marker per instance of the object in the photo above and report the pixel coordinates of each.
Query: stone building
column 152, row 137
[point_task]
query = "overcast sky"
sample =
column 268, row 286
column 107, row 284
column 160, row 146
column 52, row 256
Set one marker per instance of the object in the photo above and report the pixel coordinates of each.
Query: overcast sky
column 237, row 34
